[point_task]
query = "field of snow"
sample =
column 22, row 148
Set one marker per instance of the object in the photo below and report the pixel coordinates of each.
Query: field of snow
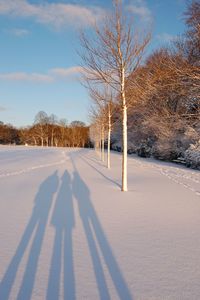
column 68, row 232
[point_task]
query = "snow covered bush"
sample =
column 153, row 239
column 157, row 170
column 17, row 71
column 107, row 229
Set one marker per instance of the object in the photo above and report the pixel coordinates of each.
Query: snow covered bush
column 192, row 156
column 163, row 150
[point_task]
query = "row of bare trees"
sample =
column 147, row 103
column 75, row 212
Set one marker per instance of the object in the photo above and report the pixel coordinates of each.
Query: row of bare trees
column 110, row 54
column 151, row 108
column 50, row 131
column 47, row 131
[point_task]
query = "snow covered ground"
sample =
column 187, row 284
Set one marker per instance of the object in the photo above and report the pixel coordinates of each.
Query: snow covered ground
column 68, row 232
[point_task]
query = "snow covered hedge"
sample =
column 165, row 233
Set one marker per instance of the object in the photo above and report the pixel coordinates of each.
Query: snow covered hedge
column 179, row 145
column 192, row 156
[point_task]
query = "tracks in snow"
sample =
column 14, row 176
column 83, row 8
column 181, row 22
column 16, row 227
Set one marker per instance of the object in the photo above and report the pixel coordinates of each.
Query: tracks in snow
column 187, row 178
column 29, row 169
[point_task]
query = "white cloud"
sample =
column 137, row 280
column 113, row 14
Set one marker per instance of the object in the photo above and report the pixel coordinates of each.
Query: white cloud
column 166, row 37
column 68, row 72
column 52, row 75
column 22, row 76
column 58, row 15
column 140, row 9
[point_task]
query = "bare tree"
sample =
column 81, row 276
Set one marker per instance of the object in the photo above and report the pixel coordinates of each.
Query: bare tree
column 103, row 99
column 110, row 55
column 192, row 35
column 53, row 120
column 97, row 124
column 41, row 119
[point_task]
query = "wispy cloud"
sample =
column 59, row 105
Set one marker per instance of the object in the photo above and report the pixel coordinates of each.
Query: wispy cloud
column 66, row 72
column 22, row 76
column 52, row 75
column 2, row 108
column 140, row 9
column 18, row 32
column 166, row 37
column 57, row 15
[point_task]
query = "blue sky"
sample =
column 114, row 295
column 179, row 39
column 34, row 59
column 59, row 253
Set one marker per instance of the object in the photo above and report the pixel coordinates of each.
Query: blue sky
column 39, row 63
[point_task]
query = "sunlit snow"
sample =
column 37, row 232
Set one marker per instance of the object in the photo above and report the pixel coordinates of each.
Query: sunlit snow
column 68, row 232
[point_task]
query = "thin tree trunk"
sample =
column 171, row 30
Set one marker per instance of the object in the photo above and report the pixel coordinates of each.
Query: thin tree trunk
column 100, row 146
column 52, row 139
column 124, row 149
column 35, row 141
column 109, row 133
column 103, row 148
column 124, row 133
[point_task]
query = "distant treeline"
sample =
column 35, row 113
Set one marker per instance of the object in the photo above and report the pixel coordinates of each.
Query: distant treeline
column 47, row 131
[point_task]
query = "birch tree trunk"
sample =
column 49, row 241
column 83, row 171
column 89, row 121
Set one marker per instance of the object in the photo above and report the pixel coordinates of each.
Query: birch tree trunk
column 35, row 142
column 124, row 149
column 109, row 134
column 103, row 148
column 124, row 133
column 100, row 145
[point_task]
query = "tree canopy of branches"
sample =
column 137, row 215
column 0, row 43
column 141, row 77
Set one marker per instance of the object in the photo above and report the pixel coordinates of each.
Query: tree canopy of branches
column 192, row 35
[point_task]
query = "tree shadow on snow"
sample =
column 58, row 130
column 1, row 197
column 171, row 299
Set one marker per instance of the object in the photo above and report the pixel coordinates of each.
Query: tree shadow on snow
column 96, row 236
column 34, row 232
column 98, row 171
column 63, row 222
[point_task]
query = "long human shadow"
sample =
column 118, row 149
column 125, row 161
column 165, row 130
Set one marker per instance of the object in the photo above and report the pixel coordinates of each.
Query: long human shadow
column 94, row 232
column 35, row 229
column 63, row 222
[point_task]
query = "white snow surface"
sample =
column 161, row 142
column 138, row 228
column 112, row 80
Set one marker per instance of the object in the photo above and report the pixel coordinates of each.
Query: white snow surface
column 68, row 232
